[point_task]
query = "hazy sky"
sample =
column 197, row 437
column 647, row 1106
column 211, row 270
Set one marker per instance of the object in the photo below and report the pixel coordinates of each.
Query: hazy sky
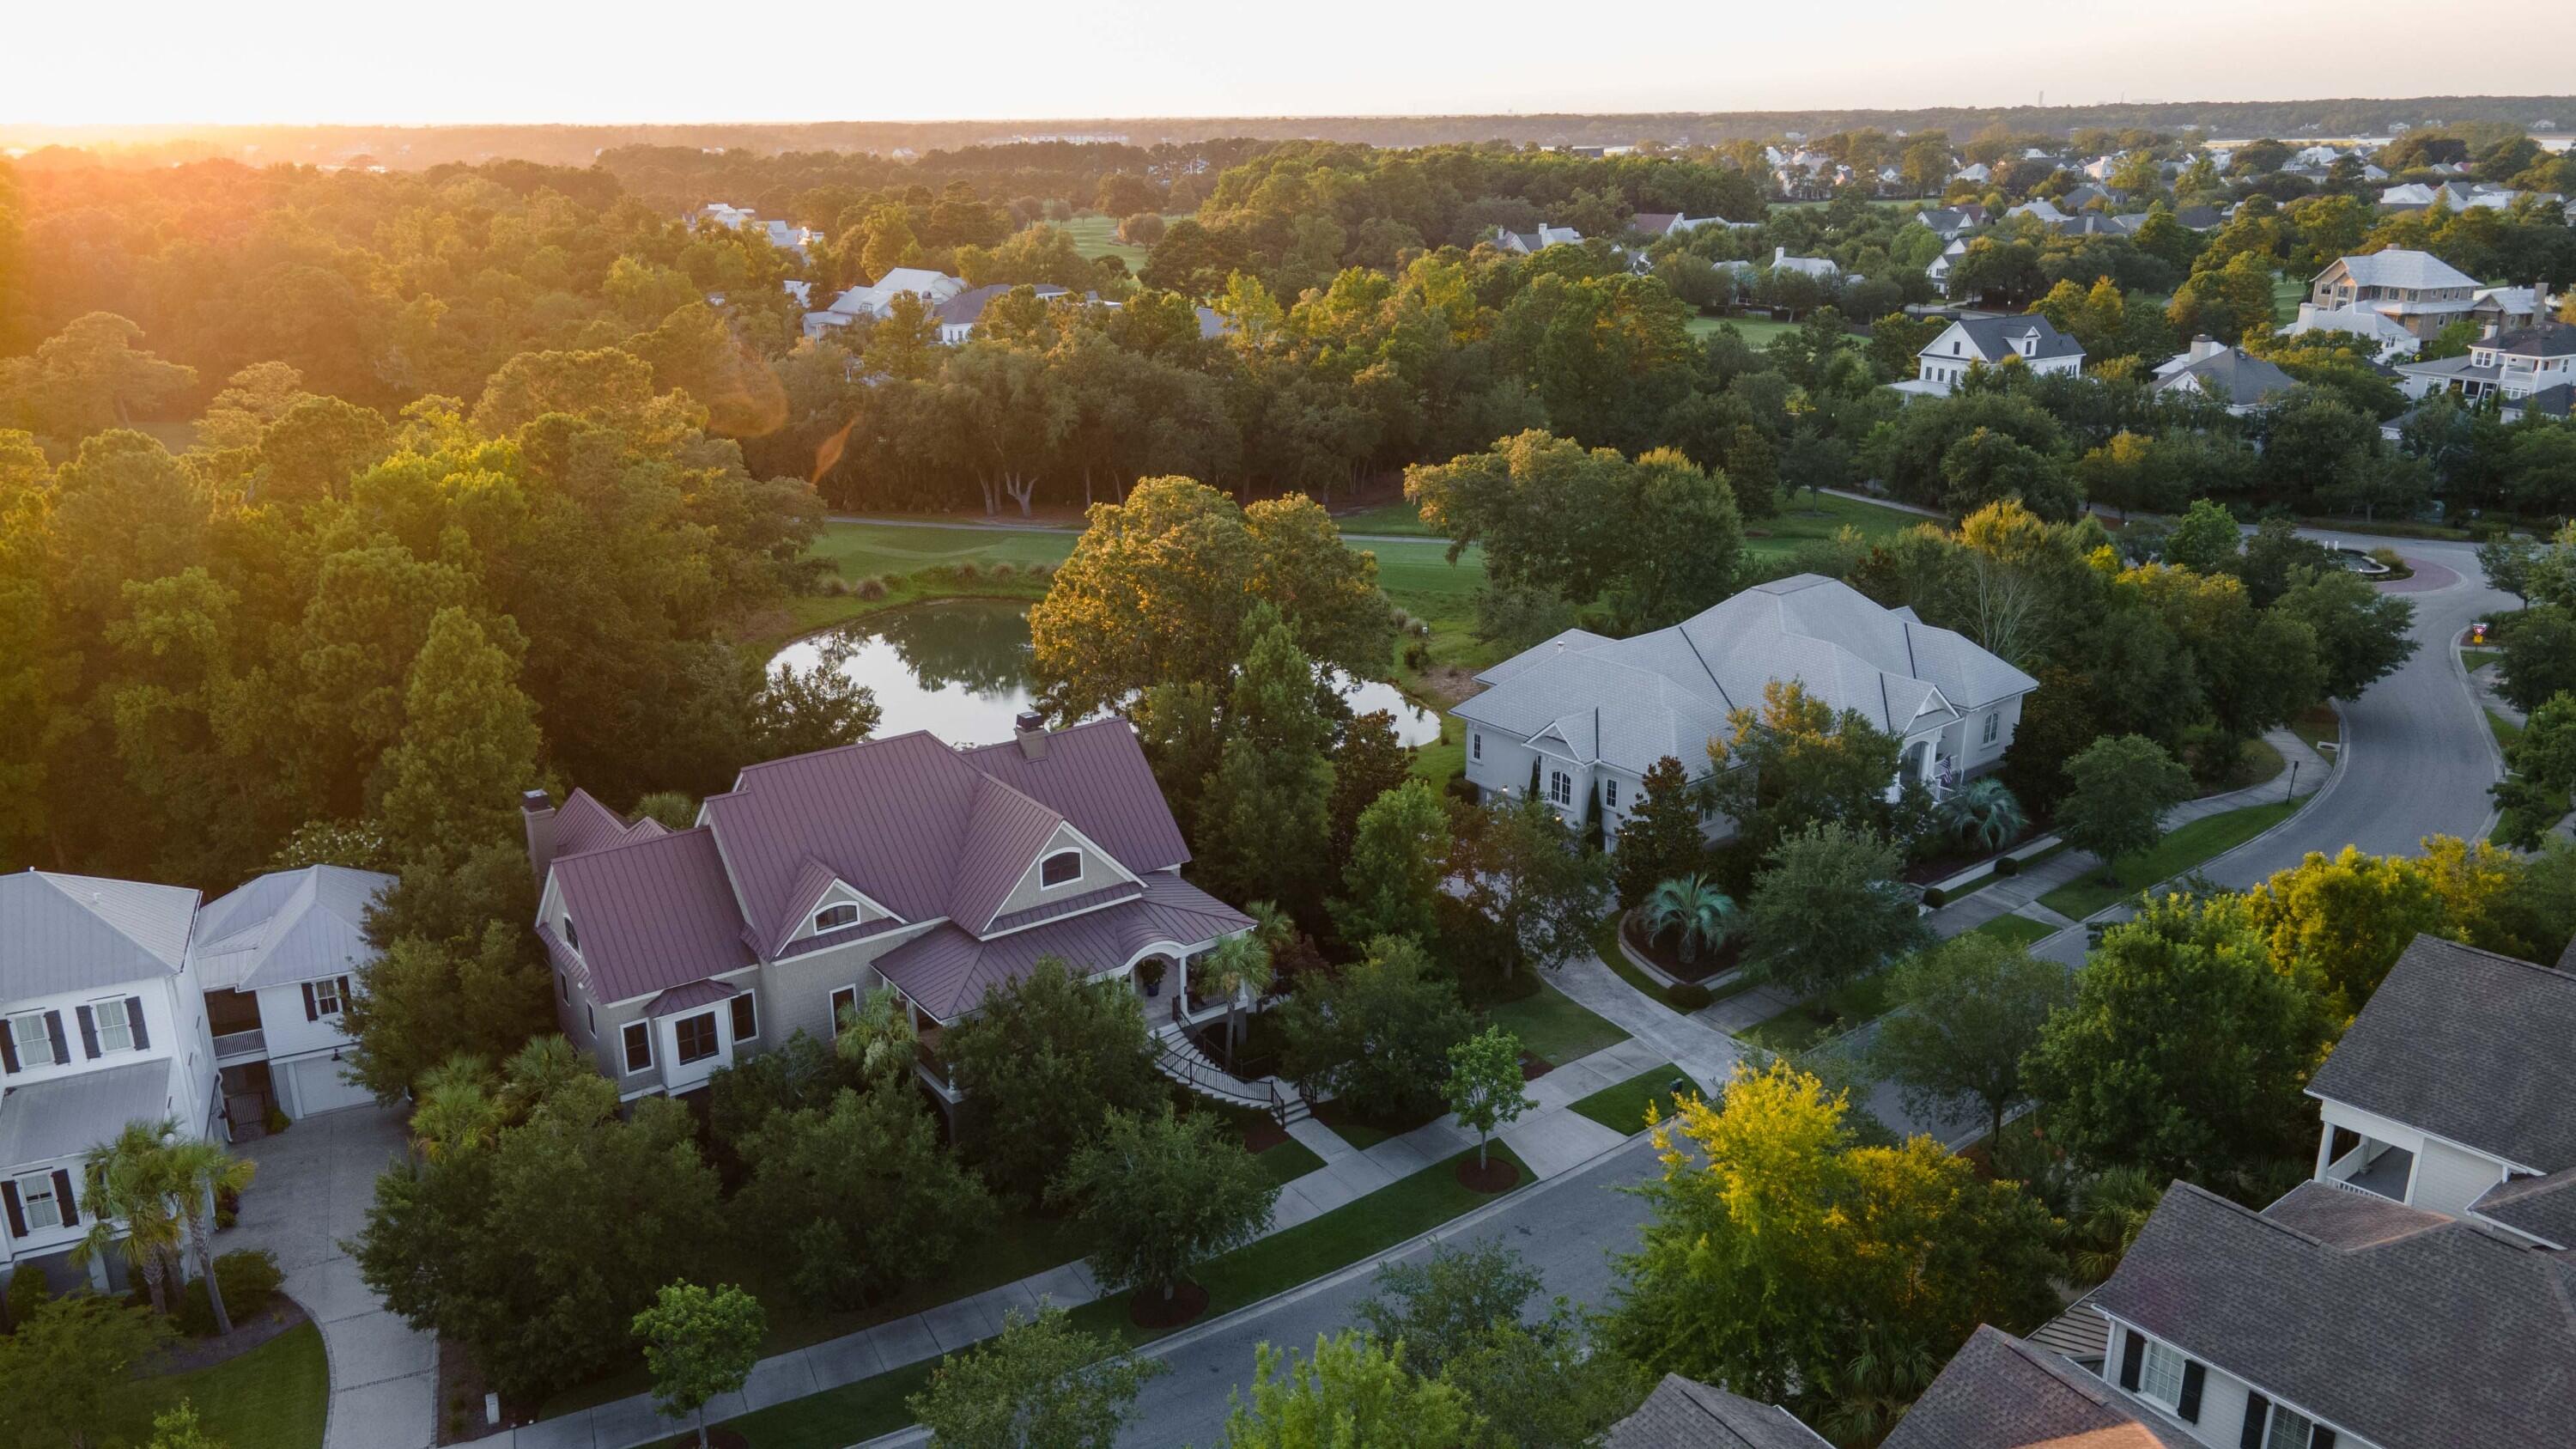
column 159, row 61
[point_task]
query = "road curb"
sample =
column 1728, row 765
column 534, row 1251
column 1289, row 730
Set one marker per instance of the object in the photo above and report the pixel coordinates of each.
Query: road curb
column 2486, row 729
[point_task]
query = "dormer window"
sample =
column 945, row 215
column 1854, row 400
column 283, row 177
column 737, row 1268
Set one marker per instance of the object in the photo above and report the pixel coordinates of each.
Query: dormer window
column 834, row 917
column 1062, row 868
column 572, row 937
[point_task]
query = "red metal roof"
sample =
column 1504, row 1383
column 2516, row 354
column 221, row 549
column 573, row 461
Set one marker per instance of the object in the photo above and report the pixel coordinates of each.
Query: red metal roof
column 947, row 971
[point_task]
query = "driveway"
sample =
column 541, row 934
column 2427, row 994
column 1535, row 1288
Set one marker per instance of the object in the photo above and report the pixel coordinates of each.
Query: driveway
column 315, row 1183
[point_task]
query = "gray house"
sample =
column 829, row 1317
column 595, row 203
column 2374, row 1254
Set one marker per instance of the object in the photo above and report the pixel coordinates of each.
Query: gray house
column 1586, row 716
column 277, row 960
column 901, row 862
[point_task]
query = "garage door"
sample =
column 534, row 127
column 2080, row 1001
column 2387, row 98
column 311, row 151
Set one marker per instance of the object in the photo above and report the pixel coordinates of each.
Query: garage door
column 320, row 1087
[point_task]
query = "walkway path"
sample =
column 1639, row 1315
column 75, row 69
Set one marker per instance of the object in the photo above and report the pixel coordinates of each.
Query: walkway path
column 1551, row 1138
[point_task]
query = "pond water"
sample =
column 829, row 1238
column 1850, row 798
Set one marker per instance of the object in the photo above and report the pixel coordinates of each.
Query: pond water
column 960, row 669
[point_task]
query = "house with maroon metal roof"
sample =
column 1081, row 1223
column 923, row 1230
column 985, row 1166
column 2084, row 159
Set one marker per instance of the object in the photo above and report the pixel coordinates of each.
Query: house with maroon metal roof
column 902, row 862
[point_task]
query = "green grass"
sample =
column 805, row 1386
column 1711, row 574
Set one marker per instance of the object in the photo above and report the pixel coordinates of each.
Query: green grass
column 863, row 550
column 272, row 1397
column 2505, row 730
column 2477, row 659
column 1811, row 1021
column 1758, row 331
column 1621, row 1107
column 1403, row 1209
column 2020, row 930
column 2319, row 727
column 2287, row 294
column 2178, row 852
column 1446, row 760
column 1397, row 517
column 1364, row 1135
column 1815, row 516
column 1554, row 1027
column 2258, row 762
column 1285, row 1162
column 1097, row 236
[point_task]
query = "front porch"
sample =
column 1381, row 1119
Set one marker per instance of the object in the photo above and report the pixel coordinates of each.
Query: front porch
column 1161, row 978
column 2349, row 1158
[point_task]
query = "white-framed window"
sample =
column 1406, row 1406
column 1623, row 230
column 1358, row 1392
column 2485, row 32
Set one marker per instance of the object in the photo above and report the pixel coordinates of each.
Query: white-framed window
column 746, row 1018
column 1994, row 725
column 2160, row 1374
column 1475, row 746
column 1560, row 788
column 637, row 1038
column 115, row 1024
column 41, row 1205
column 572, row 935
column 844, row 998
column 697, row 1037
column 1062, row 868
column 2289, row 1429
column 1610, row 793
column 326, row 997
column 35, row 1041
column 834, row 917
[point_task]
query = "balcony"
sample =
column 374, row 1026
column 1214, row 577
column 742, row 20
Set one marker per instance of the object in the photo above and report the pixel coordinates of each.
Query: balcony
column 2374, row 1167
column 241, row 1046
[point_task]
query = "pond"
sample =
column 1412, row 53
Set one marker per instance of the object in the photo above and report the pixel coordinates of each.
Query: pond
column 960, row 669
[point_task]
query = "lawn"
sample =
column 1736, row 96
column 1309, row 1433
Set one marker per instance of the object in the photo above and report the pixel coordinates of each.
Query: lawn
column 2287, row 294
column 1621, row 1107
column 2504, row 730
column 2477, row 659
column 1403, row 1209
column 881, row 550
column 1397, row 517
column 1364, row 1135
column 1554, row 1027
column 1285, row 1162
column 1811, row 1021
column 272, row 1397
column 2318, row 727
column 1757, row 331
column 2020, row 930
column 2178, row 852
column 1816, row 516
column 1445, row 761
column 1097, row 236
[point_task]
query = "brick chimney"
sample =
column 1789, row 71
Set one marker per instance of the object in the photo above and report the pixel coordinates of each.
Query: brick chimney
column 537, row 815
column 1031, row 731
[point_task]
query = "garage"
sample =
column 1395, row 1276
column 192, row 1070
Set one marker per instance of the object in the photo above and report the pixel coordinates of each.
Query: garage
column 317, row 1085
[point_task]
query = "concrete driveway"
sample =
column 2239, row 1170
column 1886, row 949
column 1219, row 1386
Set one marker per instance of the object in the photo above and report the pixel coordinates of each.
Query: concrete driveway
column 315, row 1183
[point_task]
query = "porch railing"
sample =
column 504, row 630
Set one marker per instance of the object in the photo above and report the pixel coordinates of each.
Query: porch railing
column 235, row 1045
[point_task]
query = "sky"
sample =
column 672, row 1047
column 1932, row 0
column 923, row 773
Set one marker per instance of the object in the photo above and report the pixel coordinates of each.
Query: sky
column 84, row 62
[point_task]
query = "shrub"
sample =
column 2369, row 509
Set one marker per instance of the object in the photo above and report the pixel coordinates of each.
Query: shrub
column 1417, row 655
column 2006, row 865
column 27, row 1292
column 1465, row 789
column 1004, row 571
column 968, row 572
column 1403, row 622
column 250, row 1280
column 1688, row 996
column 276, row 1120
column 1935, row 897
column 1042, row 571
column 870, row 588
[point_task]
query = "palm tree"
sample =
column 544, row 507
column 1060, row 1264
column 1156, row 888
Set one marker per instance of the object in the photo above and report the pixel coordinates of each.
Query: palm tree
column 197, row 1172
column 456, row 1109
column 122, row 1183
column 876, row 1034
column 1239, row 967
column 535, row 1072
column 1699, row 911
column 2115, row 1207
column 1985, row 813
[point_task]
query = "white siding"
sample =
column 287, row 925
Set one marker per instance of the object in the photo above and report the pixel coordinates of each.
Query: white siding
column 2447, row 1179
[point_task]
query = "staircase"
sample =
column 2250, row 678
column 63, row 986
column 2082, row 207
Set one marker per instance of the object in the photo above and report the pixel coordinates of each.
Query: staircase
column 1180, row 1059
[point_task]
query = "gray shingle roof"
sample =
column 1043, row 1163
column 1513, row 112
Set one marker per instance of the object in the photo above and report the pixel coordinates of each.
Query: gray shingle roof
column 289, row 926
column 2234, row 377
column 2469, row 1046
column 1999, row 1392
column 2402, row 1327
column 947, row 971
column 67, row 1116
column 1996, row 338
column 2549, row 339
column 63, row 933
column 1632, row 701
column 1684, row 1414
column 2405, row 269
column 2544, row 1207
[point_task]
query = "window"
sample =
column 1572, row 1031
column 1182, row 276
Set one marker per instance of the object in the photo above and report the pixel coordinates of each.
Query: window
column 590, row 1021
column 572, row 937
column 638, row 1037
column 1475, row 747
column 1610, row 793
column 326, row 996
column 2289, row 1429
column 1062, row 868
column 35, row 1042
column 697, row 1037
column 115, row 1024
column 746, row 1018
column 1994, row 726
column 1560, row 788
column 845, row 998
column 833, row 918
column 563, row 987
column 2160, row 1377
column 42, row 1204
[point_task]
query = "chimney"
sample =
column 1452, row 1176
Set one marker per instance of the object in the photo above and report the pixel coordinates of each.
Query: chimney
column 1030, row 730
column 2539, row 301
column 1779, row 255
column 537, row 814
column 2205, row 345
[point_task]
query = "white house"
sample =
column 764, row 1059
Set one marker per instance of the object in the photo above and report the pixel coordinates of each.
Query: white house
column 1529, row 242
column 876, row 300
column 278, row 960
column 1938, row 272
column 2508, row 366
column 101, row 1024
column 2030, row 340
column 2387, row 337
column 2226, row 375
column 2417, row 290
column 1823, row 269
column 1581, row 718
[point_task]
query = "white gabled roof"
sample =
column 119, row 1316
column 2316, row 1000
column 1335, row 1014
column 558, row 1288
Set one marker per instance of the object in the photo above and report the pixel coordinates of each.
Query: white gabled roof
column 2412, row 270
column 289, row 926
column 75, row 932
column 1630, row 702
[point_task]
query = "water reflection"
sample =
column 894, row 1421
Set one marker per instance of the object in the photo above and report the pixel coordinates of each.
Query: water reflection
column 960, row 669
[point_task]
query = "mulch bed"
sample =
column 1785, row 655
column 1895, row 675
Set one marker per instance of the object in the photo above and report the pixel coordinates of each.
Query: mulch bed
column 1498, row 1174
column 1150, row 1309
column 460, row 1396
column 281, row 1314
column 1263, row 1133
column 1668, row 959
column 1533, row 1068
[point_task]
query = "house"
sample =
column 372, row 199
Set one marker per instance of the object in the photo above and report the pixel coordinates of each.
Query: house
column 1978, row 172
column 2450, row 1092
column 1529, row 242
column 276, row 960
column 2338, row 1319
column 2200, row 218
column 2417, row 290
column 1674, row 223
column 2509, row 365
column 900, row 863
column 2031, row 339
column 1684, row 1414
column 960, row 315
column 1823, row 269
column 2041, row 210
column 2226, row 375
column 2386, row 336
column 101, row 1023
column 876, row 301
column 2505, row 309
column 1938, row 273
column 1952, row 222
column 1581, row 718
column 2003, row 1392
column 2453, row 196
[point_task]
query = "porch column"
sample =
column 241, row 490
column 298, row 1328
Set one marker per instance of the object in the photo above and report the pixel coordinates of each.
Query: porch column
column 2325, row 1150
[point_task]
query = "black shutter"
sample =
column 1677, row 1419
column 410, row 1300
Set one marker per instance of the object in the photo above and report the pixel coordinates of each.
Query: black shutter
column 17, row 1215
column 311, row 1011
column 2321, row 1437
column 89, row 1032
column 8, row 1047
column 63, row 1195
column 134, row 1018
column 2192, row 1376
column 54, row 1033
column 2132, row 1353
column 344, row 993
column 2257, row 1408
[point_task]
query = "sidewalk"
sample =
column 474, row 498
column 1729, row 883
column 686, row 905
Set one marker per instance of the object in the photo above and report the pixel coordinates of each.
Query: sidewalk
column 1551, row 1138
